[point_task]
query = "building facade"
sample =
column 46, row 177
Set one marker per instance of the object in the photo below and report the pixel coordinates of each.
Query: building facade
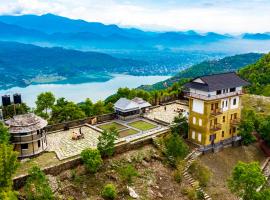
column 215, row 109
column 28, row 134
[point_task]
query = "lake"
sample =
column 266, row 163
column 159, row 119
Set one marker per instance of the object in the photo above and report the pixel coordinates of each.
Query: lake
column 79, row 92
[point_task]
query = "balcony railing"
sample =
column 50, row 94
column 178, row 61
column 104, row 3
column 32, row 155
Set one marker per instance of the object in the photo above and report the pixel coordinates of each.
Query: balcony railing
column 213, row 97
column 216, row 112
column 26, row 139
column 215, row 127
column 235, row 122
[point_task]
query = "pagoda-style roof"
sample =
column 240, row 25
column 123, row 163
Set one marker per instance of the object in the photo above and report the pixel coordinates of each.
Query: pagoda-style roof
column 26, row 123
column 142, row 103
column 126, row 105
column 216, row 82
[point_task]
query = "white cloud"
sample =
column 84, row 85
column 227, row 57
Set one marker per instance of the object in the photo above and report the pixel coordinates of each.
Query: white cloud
column 203, row 15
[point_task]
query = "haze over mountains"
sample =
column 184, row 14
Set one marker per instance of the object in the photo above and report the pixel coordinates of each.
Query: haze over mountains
column 131, row 50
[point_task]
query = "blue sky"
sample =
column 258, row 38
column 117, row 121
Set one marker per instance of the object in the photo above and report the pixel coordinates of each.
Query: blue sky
column 223, row 16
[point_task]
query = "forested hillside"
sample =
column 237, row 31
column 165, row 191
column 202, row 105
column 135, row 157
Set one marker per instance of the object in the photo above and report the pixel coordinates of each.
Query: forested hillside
column 227, row 64
column 258, row 74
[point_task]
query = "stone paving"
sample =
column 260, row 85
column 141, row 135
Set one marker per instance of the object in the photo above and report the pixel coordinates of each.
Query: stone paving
column 166, row 114
column 62, row 144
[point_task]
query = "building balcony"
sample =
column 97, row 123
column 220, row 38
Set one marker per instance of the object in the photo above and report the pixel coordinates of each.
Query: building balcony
column 212, row 97
column 215, row 127
column 26, row 139
column 235, row 122
column 216, row 112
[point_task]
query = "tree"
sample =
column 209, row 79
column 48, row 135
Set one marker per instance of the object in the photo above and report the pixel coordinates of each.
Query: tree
column 37, row 186
column 246, row 178
column 8, row 166
column 246, row 129
column 127, row 173
column 87, row 107
column 92, row 159
column 109, row 192
column 44, row 102
column 106, row 142
column 264, row 130
column 180, row 126
column 175, row 148
column 18, row 109
column 4, row 134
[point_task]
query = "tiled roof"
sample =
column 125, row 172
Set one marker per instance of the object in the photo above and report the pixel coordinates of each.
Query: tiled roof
column 126, row 105
column 217, row 82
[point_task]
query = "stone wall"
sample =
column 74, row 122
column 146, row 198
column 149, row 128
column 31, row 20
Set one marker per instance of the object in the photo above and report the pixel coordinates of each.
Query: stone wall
column 89, row 120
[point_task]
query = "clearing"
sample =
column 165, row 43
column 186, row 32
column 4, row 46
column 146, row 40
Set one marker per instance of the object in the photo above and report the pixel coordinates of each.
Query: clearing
column 111, row 125
column 142, row 125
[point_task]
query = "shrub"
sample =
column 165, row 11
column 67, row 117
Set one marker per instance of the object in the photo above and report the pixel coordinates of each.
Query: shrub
column 200, row 172
column 106, row 142
column 127, row 173
column 37, row 186
column 109, row 192
column 92, row 160
column 178, row 173
column 175, row 148
column 177, row 176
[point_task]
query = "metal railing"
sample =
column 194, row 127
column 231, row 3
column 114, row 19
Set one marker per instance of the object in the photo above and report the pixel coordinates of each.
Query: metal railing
column 215, row 127
column 213, row 97
column 235, row 121
column 215, row 112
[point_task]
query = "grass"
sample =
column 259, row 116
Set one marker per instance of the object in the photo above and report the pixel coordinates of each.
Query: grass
column 127, row 132
column 261, row 105
column 142, row 125
column 111, row 125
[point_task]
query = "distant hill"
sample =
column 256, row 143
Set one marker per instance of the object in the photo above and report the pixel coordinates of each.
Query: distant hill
column 227, row 64
column 257, row 36
column 258, row 74
column 21, row 64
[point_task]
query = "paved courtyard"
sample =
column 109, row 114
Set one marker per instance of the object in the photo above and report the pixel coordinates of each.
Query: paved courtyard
column 62, row 144
column 166, row 113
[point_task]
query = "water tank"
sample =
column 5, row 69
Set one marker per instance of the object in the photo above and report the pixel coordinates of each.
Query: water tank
column 6, row 100
column 17, row 98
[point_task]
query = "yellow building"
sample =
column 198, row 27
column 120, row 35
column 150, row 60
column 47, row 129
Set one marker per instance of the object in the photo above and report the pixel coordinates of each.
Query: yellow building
column 215, row 110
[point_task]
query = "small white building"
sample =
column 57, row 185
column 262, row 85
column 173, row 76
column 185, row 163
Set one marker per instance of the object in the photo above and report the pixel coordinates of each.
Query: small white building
column 129, row 109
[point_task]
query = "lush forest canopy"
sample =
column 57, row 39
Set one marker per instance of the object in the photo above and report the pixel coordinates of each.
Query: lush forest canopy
column 258, row 74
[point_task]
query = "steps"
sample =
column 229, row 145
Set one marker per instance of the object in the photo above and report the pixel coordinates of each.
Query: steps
column 190, row 158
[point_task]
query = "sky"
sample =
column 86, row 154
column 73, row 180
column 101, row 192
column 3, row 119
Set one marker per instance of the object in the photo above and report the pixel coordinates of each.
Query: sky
column 222, row 16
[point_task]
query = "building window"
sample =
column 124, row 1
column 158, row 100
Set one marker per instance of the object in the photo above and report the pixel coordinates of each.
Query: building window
column 222, row 134
column 212, row 106
column 194, row 120
column 232, row 89
column 199, row 137
column 200, row 122
column 38, row 143
column 234, row 130
column 223, row 119
column 193, row 135
column 218, row 92
column 230, row 131
column 234, row 101
column 24, row 146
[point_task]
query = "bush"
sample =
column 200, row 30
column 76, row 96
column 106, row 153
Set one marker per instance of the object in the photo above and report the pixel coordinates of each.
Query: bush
column 37, row 186
column 106, row 142
column 92, row 160
column 178, row 173
column 109, row 192
column 200, row 172
column 127, row 173
column 175, row 148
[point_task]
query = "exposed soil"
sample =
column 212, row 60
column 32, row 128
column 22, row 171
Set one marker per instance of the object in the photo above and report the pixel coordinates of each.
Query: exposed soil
column 155, row 180
column 221, row 165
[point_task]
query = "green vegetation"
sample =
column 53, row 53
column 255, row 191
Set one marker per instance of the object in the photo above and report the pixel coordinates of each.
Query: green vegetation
column 227, row 64
column 246, row 178
column 91, row 159
column 175, row 148
column 37, row 186
column 200, row 172
column 4, row 134
column 264, row 129
column 10, row 110
column 112, row 125
column 142, row 125
column 246, row 129
column 127, row 132
column 258, row 74
column 44, row 102
column 127, row 173
column 106, row 142
column 178, row 172
column 180, row 126
column 109, row 192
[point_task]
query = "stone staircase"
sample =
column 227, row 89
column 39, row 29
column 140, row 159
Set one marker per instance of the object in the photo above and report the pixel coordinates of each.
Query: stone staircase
column 190, row 158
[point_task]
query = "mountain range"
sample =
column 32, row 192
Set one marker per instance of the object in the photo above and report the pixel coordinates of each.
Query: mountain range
column 53, row 30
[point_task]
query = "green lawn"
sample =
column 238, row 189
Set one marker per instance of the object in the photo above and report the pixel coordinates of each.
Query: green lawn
column 142, row 125
column 127, row 132
column 115, row 125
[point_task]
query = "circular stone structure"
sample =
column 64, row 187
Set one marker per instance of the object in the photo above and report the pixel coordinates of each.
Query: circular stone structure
column 28, row 134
